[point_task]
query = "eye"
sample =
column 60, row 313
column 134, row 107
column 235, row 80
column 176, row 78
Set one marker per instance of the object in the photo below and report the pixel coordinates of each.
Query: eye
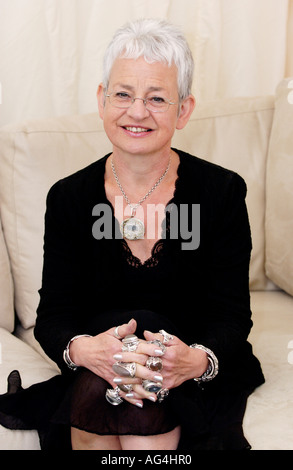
column 157, row 100
column 122, row 95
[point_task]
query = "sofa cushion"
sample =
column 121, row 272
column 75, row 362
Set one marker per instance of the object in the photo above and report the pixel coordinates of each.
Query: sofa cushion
column 234, row 133
column 279, row 205
column 269, row 415
column 15, row 354
column 33, row 157
column 6, row 297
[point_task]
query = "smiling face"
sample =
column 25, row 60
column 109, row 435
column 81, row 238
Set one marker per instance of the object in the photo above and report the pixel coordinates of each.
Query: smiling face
column 136, row 130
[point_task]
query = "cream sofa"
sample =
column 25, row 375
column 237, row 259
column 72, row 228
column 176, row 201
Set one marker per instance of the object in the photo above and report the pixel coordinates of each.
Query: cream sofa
column 253, row 136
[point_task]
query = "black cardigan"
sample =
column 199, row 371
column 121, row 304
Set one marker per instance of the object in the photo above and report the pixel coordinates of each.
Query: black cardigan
column 206, row 294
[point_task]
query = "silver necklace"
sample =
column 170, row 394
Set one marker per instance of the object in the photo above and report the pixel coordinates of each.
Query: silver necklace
column 133, row 228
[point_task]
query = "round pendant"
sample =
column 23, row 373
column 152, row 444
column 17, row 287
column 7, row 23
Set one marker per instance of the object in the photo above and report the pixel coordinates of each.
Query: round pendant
column 132, row 228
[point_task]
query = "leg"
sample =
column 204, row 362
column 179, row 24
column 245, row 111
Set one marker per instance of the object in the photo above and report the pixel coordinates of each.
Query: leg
column 167, row 441
column 82, row 440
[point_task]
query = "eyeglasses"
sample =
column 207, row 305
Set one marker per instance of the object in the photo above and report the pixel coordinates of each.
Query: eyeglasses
column 155, row 104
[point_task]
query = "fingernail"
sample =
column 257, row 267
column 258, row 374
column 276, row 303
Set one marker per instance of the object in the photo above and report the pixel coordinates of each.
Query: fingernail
column 117, row 380
column 152, row 398
column 117, row 356
column 158, row 352
column 140, row 405
column 129, row 395
column 159, row 378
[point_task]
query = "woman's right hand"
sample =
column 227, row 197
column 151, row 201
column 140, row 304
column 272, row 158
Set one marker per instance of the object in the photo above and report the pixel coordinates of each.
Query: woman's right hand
column 96, row 353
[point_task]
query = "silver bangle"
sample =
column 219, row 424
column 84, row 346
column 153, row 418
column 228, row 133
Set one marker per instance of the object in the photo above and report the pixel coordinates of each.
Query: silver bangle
column 213, row 367
column 66, row 356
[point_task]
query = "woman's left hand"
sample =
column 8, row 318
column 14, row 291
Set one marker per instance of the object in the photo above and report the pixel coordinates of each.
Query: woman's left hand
column 179, row 361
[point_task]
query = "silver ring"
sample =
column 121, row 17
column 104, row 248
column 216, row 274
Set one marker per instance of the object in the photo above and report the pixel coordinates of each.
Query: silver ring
column 166, row 336
column 151, row 386
column 125, row 369
column 162, row 394
column 126, row 387
column 116, row 333
column 112, row 396
column 159, row 344
column 130, row 343
column 154, row 363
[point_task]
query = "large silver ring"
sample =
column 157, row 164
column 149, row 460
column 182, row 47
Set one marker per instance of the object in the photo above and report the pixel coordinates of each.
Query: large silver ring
column 151, row 386
column 166, row 336
column 154, row 363
column 116, row 333
column 159, row 344
column 164, row 392
column 130, row 343
column 112, row 396
column 125, row 369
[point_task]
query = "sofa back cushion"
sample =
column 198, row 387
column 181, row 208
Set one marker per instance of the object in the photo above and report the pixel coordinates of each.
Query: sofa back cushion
column 34, row 155
column 279, row 201
column 6, row 288
column 234, row 133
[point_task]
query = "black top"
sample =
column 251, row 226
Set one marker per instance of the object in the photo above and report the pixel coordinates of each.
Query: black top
column 204, row 291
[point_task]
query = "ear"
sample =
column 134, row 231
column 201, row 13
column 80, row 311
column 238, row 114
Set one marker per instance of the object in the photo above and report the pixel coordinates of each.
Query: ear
column 186, row 108
column 101, row 100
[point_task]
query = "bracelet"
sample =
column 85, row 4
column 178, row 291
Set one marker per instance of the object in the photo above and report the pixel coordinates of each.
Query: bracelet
column 213, row 367
column 66, row 355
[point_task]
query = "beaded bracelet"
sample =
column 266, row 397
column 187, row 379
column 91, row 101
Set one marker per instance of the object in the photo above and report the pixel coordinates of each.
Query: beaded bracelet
column 213, row 367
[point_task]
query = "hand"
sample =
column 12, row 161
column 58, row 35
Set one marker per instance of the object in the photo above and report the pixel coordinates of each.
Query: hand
column 180, row 362
column 139, row 357
column 96, row 353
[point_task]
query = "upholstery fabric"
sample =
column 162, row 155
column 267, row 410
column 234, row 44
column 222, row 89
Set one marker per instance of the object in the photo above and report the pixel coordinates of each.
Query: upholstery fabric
column 279, row 198
column 33, row 368
column 6, row 297
column 52, row 51
column 236, row 136
column 33, row 157
column 269, row 416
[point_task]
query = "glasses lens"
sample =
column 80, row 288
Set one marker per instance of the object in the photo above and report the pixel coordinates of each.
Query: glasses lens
column 157, row 105
column 120, row 100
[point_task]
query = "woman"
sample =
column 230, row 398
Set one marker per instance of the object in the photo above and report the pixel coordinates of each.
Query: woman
column 182, row 379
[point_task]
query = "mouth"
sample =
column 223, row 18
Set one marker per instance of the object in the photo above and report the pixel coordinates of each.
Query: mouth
column 137, row 130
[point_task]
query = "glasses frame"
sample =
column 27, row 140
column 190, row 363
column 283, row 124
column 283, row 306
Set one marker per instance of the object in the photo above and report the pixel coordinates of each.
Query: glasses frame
column 145, row 102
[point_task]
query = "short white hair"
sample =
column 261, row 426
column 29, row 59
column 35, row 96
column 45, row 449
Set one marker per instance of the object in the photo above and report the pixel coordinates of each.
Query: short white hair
column 156, row 41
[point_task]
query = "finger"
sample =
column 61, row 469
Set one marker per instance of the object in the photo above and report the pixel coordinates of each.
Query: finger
column 141, row 372
column 121, row 331
column 142, row 353
column 138, row 392
column 137, row 395
column 151, row 348
column 145, row 373
column 125, row 381
column 166, row 340
column 142, row 393
column 131, row 357
column 133, row 400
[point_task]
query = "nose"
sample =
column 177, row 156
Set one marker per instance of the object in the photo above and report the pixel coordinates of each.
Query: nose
column 138, row 110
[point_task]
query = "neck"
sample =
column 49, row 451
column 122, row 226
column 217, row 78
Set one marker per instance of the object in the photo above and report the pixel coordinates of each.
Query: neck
column 140, row 171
